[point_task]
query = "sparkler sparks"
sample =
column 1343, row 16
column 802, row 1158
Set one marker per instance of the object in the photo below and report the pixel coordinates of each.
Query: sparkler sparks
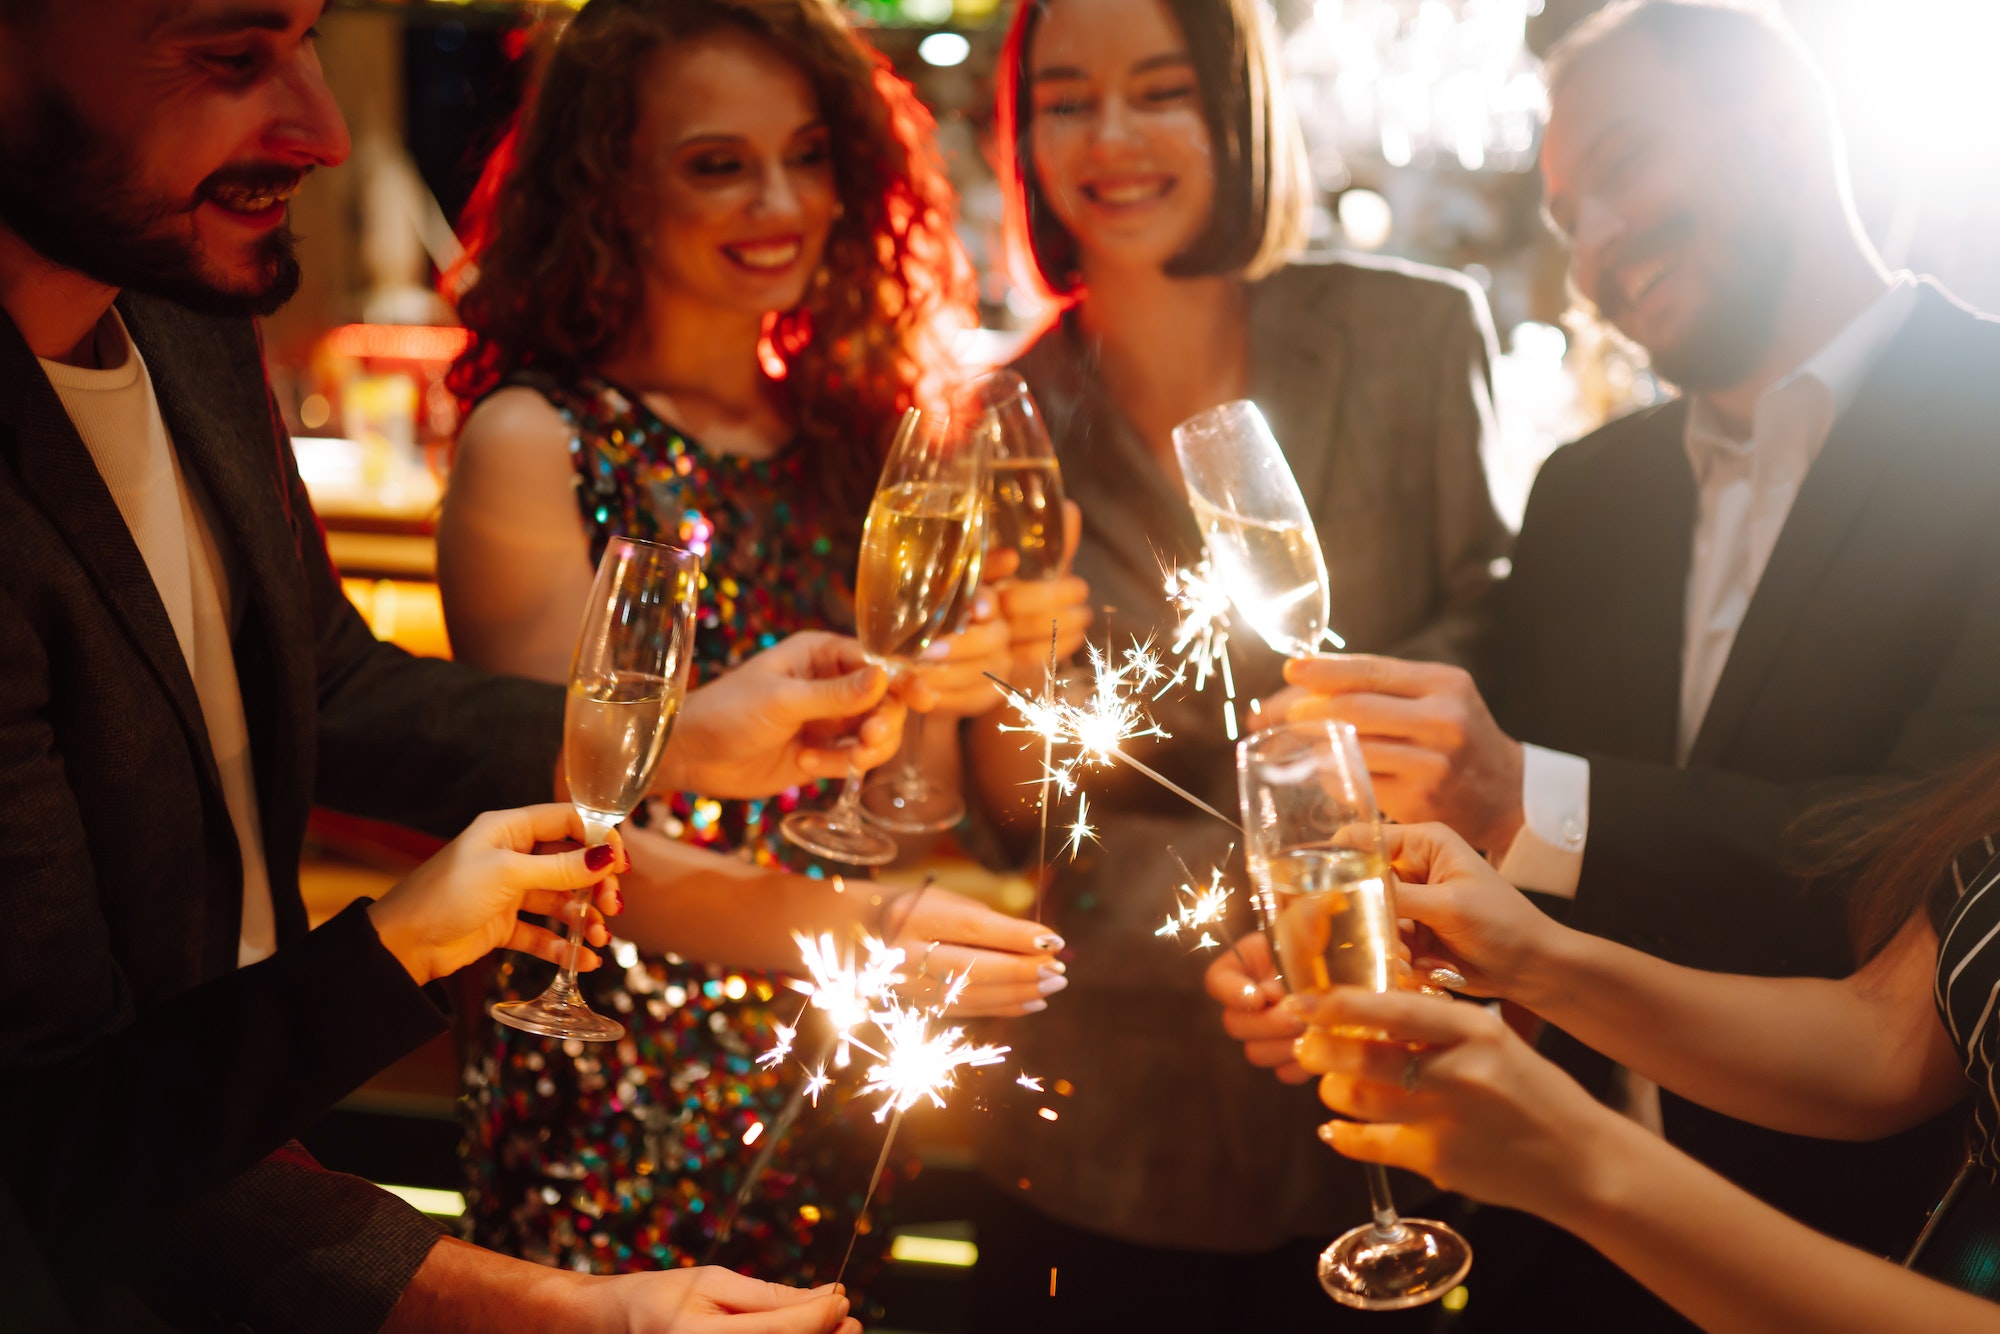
column 1201, row 639
column 921, row 1062
column 1080, row 828
column 1198, row 908
column 846, row 992
column 1033, row 1083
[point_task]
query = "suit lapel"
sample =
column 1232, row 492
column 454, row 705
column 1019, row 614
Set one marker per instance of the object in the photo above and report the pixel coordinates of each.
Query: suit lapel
column 56, row 468
column 1296, row 381
column 1656, row 540
column 213, row 399
column 1839, row 485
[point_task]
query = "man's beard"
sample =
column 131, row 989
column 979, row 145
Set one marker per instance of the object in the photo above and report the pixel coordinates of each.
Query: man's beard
column 74, row 195
column 1733, row 330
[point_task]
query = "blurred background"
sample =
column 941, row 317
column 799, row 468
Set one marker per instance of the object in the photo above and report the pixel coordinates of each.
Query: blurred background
column 1423, row 119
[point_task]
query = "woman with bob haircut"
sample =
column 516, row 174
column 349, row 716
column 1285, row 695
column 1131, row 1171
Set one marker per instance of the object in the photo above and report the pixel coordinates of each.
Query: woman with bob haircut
column 713, row 265
column 1158, row 197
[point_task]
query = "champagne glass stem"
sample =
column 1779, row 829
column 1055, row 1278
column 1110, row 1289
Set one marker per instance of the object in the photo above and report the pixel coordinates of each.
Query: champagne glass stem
column 1388, row 1225
column 846, row 813
column 579, row 913
column 913, row 763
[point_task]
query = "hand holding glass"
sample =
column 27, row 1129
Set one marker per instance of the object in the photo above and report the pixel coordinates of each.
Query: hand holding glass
column 625, row 686
column 1022, row 513
column 1313, row 840
column 921, row 532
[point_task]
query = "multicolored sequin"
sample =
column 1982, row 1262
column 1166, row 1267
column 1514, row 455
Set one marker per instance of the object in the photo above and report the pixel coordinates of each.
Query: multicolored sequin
column 619, row 1157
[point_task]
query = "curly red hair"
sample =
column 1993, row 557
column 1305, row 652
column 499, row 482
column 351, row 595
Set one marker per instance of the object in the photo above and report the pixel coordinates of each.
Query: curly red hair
column 553, row 246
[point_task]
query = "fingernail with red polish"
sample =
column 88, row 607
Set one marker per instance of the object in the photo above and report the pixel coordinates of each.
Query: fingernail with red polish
column 599, row 857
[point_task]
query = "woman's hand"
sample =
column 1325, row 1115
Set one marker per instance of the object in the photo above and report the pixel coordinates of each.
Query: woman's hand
column 1455, row 1095
column 1478, row 924
column 1245, row 981
column 811, row 707
column 1010, row 964
column 1008, row 634
column 1032, row 609
column 462, row 902
column 950, row 680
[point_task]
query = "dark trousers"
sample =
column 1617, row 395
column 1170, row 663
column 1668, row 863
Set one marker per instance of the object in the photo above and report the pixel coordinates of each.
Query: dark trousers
column 1103, row 1284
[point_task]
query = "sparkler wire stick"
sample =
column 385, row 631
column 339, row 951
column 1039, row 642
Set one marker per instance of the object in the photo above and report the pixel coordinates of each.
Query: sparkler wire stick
column 1048, row 774
column 881, row 1161
column 1171, row 786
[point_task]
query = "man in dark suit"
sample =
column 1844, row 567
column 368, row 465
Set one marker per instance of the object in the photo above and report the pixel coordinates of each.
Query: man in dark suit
column 1725, row 607
column 181, row 678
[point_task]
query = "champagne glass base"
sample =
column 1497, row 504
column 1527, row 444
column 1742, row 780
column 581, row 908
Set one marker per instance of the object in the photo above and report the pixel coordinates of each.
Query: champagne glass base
column 558, row 1013
column 819, row 833
column 910, row 804
column 1378, row 1269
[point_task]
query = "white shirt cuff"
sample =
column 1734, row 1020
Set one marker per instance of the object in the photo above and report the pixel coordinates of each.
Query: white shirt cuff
column 1547, row 855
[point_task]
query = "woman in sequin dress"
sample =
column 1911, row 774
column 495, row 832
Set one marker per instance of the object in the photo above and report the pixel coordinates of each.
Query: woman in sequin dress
column 714, row 265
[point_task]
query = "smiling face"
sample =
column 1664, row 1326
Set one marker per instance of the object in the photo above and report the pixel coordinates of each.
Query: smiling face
column 1121, row 148
column 153, row 144
column 731, row 136
column 1678, row 220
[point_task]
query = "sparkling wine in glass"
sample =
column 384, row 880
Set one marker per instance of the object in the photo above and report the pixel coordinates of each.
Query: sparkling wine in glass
column 625, row 686
column 1313, row 840
column 922, row 532
column 1022, row 513
column 1254, row 522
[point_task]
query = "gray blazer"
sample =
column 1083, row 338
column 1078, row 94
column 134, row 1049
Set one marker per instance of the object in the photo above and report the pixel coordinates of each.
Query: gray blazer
column 1376, row 378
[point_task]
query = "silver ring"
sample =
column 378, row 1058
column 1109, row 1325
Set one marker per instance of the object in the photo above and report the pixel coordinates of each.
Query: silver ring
column 1413, row 1069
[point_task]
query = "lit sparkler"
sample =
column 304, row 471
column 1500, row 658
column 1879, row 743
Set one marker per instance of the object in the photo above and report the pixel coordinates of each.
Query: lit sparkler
column 921, row 1062
column 846, row 992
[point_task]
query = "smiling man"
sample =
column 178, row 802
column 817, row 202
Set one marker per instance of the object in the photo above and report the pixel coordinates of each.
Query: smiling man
column 1782, row 584
column 181, row 678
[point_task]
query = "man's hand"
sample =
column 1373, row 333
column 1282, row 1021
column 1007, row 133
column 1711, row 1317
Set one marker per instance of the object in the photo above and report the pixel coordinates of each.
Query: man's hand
column 1433, row 749
column 812, row 707
column 1245, row 982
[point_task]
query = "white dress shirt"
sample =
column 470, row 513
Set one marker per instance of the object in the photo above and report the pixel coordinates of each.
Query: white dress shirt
column 1745, row 492
column 119, row 419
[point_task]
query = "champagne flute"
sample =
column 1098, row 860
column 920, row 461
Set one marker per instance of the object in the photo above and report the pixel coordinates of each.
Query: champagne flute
column 1254, row 521
column 1313, row 840
column 626, row 683
column 1023, row 513
column 921, row 533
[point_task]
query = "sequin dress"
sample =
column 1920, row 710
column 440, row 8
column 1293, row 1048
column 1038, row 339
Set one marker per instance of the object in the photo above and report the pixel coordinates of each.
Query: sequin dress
column 607, row 1158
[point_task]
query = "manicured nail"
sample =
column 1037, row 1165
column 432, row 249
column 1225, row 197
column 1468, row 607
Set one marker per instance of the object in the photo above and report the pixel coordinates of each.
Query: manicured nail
column 1449, row 978
column 936, row 651
column 1049, row 986
column 599, row 857
column 1052, row 970
column 1049, row 944
column 1325, row 1132
column 1034, row 1007
column 982, row 606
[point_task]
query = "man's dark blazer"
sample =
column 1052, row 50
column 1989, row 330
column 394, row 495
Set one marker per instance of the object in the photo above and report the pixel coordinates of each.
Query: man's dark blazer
column 1871, row 647
column 126, row 1031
